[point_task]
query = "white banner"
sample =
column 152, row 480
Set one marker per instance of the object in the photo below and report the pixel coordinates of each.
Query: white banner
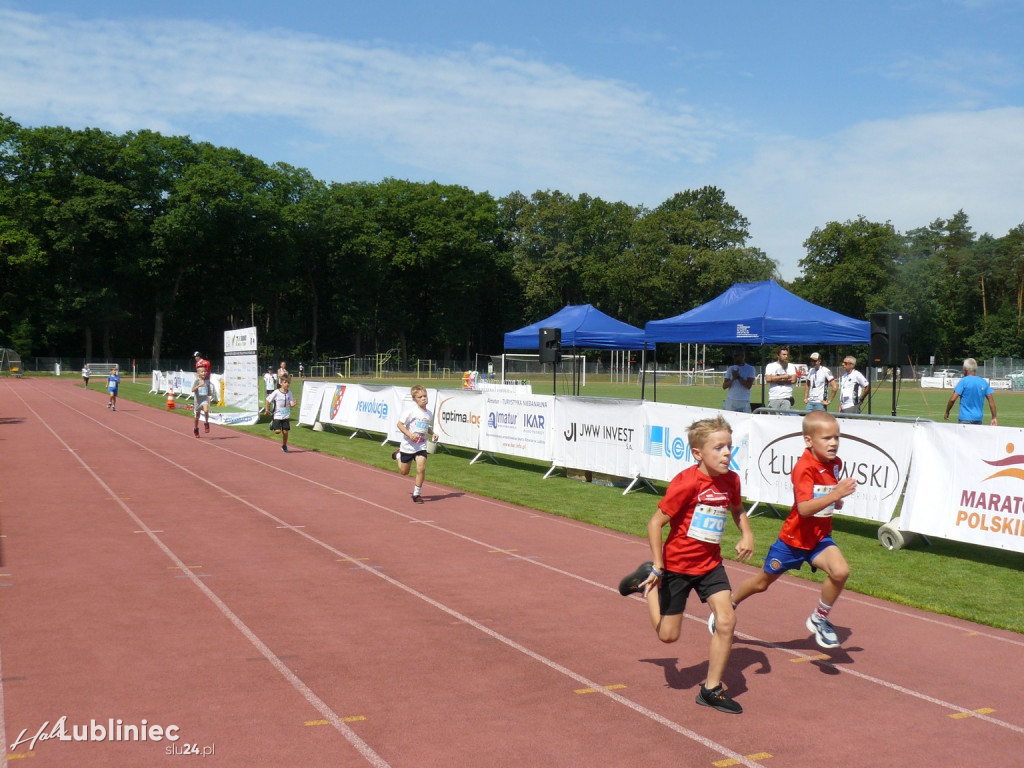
column 520, row 425
column 457, row 414
column 311, row 400
column 665, row 447
column 967, row 484
column 242, row 382
column 365, row 407
column 330, row 404
column 776, row 442
column 602, row 435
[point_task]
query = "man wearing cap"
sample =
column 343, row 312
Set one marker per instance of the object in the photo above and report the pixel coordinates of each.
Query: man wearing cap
column 201, row 363
column 821, row 385
column 739, row 378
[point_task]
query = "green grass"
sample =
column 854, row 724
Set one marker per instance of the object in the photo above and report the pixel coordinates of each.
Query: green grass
column 980, row 584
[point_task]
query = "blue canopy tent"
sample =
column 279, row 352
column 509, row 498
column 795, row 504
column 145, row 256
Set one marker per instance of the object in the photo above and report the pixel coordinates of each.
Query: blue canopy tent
column 759, row 314
column 582, row 327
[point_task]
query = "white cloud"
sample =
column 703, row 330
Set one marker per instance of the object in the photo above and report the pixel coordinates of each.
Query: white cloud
column 909, row 171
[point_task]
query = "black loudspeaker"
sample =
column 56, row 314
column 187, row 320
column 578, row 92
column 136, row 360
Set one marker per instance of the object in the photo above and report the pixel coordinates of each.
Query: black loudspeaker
column 888, row 341
column 550, row 345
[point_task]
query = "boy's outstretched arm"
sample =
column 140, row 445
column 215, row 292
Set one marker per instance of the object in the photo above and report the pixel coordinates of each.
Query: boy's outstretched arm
column 745, row 546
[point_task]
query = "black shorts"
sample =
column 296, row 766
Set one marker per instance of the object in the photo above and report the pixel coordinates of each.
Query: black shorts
column 675, row 588
column 281, row 425
column 408, row 457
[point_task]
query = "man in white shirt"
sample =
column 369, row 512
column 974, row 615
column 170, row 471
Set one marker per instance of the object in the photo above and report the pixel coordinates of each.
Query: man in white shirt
column 781, row 376
column 739, row 378
column 853, row 387
column 821, row 385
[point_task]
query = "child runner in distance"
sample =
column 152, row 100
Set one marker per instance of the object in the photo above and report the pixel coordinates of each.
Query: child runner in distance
column 414, row 424
column 203, row 394
column 113, row 381
column 281, row 401
column 806, row 535
column 695, row 507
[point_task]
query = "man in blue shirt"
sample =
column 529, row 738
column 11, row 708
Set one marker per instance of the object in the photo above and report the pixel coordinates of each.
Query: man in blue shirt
column 972, row 391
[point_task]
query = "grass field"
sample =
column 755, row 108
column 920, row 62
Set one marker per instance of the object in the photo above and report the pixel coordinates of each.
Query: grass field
column 971, row 582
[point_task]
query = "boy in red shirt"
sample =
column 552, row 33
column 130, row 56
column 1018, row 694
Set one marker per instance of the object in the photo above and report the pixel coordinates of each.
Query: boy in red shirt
column 806, row 535
column 695, row 507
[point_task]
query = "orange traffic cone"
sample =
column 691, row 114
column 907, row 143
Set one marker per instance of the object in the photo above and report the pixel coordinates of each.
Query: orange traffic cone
column 170, row 399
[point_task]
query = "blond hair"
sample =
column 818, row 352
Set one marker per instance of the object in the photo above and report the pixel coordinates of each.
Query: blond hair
column 816, row 419
column 699, row 432
column 416, row 388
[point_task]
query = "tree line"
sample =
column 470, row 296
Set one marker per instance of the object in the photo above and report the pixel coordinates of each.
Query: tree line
column 147, row 245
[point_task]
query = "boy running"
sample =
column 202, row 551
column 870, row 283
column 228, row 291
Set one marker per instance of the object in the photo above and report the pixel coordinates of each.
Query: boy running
column 414, row 424
column 203, row 394
column 806, row 535
column 282, row 402
column 113, row 382
column 694, row 508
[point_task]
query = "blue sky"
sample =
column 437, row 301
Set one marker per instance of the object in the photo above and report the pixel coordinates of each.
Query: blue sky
column 802, row 112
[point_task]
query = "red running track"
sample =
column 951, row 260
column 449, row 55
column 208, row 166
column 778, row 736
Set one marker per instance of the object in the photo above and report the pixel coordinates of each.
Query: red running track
column 297, row 610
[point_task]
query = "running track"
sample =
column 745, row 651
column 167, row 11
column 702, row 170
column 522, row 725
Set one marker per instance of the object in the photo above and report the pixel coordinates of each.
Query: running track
column 298, row 610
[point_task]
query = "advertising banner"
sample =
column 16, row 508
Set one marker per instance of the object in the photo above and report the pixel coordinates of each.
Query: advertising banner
column 967, row 484
column 311, row 400
column 242, row 383
column 330, row 403
column 875, row 453
column 665, row 447
column 602, row 435
column 369, row 408
column 520, row 425
column 457, row 414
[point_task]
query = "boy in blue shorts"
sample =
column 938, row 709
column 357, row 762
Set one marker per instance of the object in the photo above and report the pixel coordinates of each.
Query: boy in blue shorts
column 695, row 507
column 806, row 535
column 113, row 382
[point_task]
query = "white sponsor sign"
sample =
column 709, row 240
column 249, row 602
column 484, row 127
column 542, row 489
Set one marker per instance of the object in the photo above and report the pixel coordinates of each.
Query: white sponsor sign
column 242, row 382
column 457, row 414
column 602, row 435
column 967, row 484
column 520, row 425
column 373, row 409
column 875, row 453
column 312, row 400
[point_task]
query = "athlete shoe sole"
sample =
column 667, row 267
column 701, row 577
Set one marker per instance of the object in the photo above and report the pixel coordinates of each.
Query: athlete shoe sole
column 631, row 584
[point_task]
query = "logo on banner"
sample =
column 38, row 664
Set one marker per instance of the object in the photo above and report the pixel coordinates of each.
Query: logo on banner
column 658, row 441
column 339, row 392
column 986, row 510
column 455, row 418
column 607, row 433
column 873, row 468
column 743, row 332
column 378, row 408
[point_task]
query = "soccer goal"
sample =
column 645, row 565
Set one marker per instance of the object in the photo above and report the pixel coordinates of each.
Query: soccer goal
column 516, row 367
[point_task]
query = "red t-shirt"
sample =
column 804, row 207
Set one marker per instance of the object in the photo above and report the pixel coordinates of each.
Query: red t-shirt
column 687, row 549
column 810, row 472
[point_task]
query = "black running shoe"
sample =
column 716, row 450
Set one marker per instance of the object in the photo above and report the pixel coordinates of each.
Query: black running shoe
column 417, row 499
column 631, row 584
column 717, row 698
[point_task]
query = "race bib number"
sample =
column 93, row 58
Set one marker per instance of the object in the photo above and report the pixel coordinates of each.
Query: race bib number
column 707, row 524
column 819, row 492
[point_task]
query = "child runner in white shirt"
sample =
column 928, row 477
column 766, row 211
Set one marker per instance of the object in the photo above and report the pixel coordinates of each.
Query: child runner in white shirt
column 415, row 426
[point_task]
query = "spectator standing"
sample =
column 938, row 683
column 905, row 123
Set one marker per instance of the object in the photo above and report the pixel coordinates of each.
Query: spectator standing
column 853, row 387
column 973, row 391
column 282, row 372
column 781, row 376
column 739, row 378
column 821, row 385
